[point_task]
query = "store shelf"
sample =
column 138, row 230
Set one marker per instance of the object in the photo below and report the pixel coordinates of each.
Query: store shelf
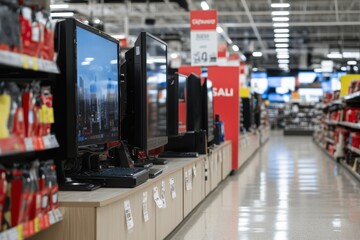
column 331, row 122
column 350, row 170
column 32, row 227
column 16, row 145
column 26, row 62
column 352, row 97
column 350, row 125
column 329, row 140
column 353, row 149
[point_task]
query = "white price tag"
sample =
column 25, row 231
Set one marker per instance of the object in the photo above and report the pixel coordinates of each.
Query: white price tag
column 172, row 188
column 157, row 199
column 58, row 215
column 163, row 193
column 145, row 207
column 12, row 234
column 194, row 170
column 190, row 178
column 186, row 178
column 204, row 48
column 128, row 215
column 47, row 142
column 29, row 146
column 52, row 217
column 53, row 141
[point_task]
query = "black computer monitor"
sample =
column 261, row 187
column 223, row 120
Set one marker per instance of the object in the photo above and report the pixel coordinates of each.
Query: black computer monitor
column 87, row 101
column 194, row 103
column 177, row 105
column 145, row 123
column 208, row 109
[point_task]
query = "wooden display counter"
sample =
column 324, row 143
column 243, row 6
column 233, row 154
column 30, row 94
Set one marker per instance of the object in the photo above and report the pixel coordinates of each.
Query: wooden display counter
column 100, row 214
column 248, row 144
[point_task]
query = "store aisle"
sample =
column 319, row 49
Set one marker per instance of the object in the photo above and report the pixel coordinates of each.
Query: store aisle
column 289, row 190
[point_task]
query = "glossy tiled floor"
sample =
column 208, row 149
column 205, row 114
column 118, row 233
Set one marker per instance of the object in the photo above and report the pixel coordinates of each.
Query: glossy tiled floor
column 289, row 190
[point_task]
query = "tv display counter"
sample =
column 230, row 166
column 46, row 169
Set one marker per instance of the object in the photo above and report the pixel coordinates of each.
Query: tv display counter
column 105, row 213
column 249, row 143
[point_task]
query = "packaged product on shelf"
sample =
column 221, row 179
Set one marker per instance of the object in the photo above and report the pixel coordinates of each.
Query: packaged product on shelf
column 9, row 26
column 3, row 187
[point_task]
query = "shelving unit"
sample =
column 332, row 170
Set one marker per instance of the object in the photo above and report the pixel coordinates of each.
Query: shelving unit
column 23, row 61
column 354, row 150
column 299, row 122
column 32, row 227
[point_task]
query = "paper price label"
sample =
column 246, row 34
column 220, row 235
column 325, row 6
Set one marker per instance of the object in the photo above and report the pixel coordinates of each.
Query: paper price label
column 163, row 193
column 145, row 207
column 128, row 215
column 172, row 188
column 52, row 217
column 29, row 146
column 190, row 178
column 204, row 48
column 36, row 224
column 58, row 215
column 156, row 197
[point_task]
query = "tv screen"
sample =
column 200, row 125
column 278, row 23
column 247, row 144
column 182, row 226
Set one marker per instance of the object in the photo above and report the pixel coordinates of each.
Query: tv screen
column 194, row 103
column 97, row 88
column 259, row 82
column 156, row 65
column 210, row 111
column 182, row 104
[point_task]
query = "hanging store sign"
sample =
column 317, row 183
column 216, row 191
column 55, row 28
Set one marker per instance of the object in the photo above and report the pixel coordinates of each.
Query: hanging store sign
column 204, row 38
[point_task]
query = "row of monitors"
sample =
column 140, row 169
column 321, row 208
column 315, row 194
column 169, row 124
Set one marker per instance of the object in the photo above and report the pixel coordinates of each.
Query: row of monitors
column 97, row 105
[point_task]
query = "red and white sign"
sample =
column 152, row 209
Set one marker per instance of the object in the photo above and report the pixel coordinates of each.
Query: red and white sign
column 204, row 38
column 203, row 20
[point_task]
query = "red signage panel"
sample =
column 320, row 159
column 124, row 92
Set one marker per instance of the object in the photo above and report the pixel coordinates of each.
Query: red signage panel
column 203, row 20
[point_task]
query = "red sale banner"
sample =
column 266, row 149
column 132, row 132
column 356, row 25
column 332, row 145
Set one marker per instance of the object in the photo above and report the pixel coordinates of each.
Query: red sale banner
column 203, row 20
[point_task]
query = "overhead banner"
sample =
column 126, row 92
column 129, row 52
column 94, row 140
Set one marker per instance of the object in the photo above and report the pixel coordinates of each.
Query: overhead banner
column 204, row 38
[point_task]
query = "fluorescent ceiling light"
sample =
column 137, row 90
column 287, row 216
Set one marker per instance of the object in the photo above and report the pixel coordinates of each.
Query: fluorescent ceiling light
column 343, row 69
column 61, row 14
column 282, row 50
column 283, row 56
column 283, row 65
column 281, row 45
column 281, row 25
column 174, row 55
column 355, row 55
column 283, row 61
column 280, row 13
column 335, row 55
column 257, row 54
column 280, row 19
column 351, row 63
column 59, row 6
column 281, row 40
column 255, row 69
column 205, row 5
column 318, row 70
column 281, row 30
column 219, row 29
column 235, row 48
column 118, row 36
column 280, row 5
column 356, row 68
column 281, row 35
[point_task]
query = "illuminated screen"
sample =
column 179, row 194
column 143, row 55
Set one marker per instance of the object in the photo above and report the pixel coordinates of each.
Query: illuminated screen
column 97, row 88
column 156, row 88
column 287, row 82
column 307, row 77
column 182, row 104
column 259, row 82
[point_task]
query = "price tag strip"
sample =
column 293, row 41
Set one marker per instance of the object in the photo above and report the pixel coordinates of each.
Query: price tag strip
column 145, row 207
column 128, row 215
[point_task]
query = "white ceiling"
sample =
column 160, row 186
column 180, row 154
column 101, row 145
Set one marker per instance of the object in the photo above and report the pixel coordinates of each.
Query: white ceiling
column 317, row 27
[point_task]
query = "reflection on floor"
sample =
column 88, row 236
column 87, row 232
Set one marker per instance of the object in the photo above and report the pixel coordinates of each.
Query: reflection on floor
column 289, row 190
